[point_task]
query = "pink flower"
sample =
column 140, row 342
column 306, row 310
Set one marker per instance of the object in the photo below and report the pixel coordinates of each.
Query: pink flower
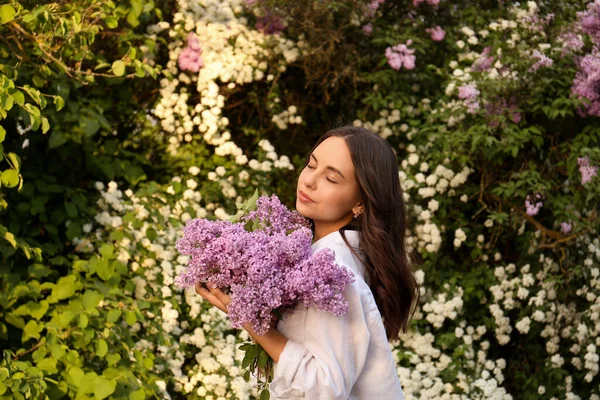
column 533, row 205
column 437, row 33
column 589, row 21
column 190, row 58
column 367, row 29
column 469, row 94
column 587, row 171
column 586, row 84
column 543, row 61
column 401, row 56
column 565, row 227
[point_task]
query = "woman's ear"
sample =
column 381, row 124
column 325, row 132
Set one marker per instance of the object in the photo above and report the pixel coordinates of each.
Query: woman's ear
column 358, row 209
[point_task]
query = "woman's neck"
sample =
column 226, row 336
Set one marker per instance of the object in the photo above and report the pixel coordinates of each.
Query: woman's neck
column 323, row 229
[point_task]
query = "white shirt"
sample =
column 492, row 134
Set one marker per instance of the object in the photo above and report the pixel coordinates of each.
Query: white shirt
column 337, row 358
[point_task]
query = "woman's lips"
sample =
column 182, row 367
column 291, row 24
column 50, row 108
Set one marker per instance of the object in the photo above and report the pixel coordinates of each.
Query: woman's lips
column 303, row 197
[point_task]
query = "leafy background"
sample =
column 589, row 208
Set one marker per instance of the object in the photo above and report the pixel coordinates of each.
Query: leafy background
column 109, row 144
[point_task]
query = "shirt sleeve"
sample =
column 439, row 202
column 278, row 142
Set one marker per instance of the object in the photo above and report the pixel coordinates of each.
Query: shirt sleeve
column 328, row 363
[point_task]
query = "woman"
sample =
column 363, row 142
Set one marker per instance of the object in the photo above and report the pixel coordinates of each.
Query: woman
column 350, row 190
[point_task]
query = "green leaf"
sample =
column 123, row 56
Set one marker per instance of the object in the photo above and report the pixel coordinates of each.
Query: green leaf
column 11, row 239
column 10, row 178
column 113, row 315
column 130, row 317
column 101, row 348
column 104, row 269
column 104, row 387
column 15, row 161
column 107, row 250
column 2, row 134
column 57, row 139
column 91, row 299
column 111, row 22
column 64, row 288
column 118, row 68
column 76, row 375
column 2, row 388
column 45, row 125
column 7, row 13
column 59, row 103
column 137, row 395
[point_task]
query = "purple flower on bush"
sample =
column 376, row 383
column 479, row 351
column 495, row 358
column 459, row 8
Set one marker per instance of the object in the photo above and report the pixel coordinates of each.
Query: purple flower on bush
column 190, row 58
column 587, row 171
column 542, row 61
column 266, row 263
column 469, row 93
column 565, row 227
column 589, row 21
column 533, row 204
column 437, row 33
column 484, row 62
column 367, row 29
column 493, row 110
column 401, row 56
column 586, row 84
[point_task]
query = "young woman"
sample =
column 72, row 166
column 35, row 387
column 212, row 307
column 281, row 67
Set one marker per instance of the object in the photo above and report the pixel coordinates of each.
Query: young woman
column 350, row 190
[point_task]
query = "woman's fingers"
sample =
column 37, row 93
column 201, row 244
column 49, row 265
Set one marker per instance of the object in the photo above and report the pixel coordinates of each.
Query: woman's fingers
column 212, row 299
column 219, row 294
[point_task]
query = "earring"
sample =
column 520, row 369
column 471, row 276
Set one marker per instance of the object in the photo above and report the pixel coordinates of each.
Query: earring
column 356, row 215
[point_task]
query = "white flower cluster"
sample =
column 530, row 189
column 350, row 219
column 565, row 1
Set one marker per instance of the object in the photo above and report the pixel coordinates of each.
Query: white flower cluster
column 440, row 309
column 233, row 54
column 286, row 117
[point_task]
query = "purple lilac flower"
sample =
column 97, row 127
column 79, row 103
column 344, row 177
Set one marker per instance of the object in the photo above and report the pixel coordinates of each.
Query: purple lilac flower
column 571, row 42
column 493, row 110
column 589, row 21
column 565, row 227
column 437, row 33
column 542, row 61
column 587, row 171
column 469, row 93
column 271, row 267
column 190, row 58
column 533, row 205
column 401, row 56
column 367, row 29
column 586, row 84
column 274, row 217
column 484, row 62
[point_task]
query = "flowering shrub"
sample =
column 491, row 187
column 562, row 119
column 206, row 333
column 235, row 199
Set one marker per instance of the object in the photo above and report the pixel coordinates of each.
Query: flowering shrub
column 491, row 109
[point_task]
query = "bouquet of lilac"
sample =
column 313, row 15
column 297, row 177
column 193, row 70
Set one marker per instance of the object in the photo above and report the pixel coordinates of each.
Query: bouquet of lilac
column 263, row 259
column 264, row 262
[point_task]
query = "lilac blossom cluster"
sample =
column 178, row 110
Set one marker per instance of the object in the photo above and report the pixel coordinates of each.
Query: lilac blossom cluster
column 437, row 34
column 587, row 80
column 190, row 58
column 587, row 171
column 401, row 56
column 469, row 93
column 268, row 268
column 533, row 204
column 542, row 61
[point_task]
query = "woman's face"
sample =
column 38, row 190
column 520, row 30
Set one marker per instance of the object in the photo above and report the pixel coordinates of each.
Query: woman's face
column 327, row 189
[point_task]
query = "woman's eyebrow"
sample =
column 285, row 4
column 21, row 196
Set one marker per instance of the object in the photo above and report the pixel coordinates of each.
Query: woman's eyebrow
column 337, row 171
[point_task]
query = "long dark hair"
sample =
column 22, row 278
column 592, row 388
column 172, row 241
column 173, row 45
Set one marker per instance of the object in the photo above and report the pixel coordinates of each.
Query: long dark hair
column 382, row 226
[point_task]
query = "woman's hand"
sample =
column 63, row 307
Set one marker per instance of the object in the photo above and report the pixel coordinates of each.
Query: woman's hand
column 273, row 341
column 215, row 296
